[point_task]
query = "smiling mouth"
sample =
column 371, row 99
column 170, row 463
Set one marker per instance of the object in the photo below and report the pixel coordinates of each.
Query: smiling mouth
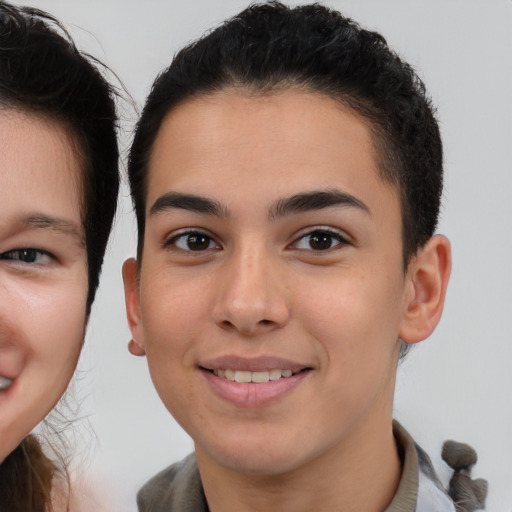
column 258, row 377
column 5, row 383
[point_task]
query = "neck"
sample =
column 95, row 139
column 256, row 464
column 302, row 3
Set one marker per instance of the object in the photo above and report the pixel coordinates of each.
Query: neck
column 361, row 473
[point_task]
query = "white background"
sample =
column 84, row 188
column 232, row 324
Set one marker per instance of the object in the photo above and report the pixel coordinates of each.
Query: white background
column 457, row 384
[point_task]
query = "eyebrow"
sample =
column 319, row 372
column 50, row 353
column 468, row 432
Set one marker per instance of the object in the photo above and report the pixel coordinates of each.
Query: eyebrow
column 55, row 224
column 298, row 203
column 190, row 202
column 316, row 200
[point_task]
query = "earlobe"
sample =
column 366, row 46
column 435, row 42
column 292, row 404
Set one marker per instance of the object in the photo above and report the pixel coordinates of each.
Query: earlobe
column 136, row 346
column 427, row 280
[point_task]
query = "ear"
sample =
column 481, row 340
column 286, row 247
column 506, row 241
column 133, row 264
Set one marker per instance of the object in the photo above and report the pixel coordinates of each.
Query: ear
column 132, row 301
column 427, row 280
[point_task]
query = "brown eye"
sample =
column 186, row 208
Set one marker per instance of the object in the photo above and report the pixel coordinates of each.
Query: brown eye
column 27, row 255
column 320, row 240
column 198, row 242
column 193, row 241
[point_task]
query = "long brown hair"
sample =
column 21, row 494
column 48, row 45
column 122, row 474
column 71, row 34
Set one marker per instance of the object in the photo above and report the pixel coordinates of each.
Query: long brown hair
column 26, row 478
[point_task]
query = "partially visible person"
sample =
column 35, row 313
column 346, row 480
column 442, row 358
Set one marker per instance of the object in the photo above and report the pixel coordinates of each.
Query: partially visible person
column 58, row 194
column 286, row 174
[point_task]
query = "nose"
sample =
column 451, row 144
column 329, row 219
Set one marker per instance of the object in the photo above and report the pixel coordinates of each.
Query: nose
column 252, row 297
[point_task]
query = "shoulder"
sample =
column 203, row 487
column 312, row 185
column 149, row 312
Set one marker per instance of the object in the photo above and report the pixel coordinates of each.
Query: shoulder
column 176, row 488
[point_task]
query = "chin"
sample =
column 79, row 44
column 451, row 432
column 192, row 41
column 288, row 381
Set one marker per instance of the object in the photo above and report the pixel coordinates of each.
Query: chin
column 254, row 459
column 263, row 466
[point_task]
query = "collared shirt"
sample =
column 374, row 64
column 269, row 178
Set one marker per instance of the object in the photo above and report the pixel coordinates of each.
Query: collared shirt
column 179, row 489
column 419, row 489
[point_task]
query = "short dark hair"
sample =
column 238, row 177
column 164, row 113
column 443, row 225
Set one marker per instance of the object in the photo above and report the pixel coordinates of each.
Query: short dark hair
column 270, row 47
column 42, row 71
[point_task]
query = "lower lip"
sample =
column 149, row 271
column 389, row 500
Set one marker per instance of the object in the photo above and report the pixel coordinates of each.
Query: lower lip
column 243, row 394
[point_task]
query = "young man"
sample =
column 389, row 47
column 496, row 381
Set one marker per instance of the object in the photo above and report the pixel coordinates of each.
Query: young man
column 286, row 174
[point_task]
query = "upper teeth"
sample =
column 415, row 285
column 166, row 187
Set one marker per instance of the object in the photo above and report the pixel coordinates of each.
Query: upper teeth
column 245, row 376
column 5, row 383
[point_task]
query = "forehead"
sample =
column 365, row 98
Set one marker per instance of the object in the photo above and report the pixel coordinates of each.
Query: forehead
column 275, row 144
column 40, row 170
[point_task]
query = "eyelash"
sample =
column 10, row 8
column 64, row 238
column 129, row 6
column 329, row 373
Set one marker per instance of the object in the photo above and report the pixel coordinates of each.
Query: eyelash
column 329, row 234
column 16, row 255
column 187, row 236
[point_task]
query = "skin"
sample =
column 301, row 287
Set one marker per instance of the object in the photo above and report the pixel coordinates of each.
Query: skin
column 320, row 288
column 43, row 270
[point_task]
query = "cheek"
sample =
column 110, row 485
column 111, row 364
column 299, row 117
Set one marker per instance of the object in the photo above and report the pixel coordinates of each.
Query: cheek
column 46, row 329
column 173, row 313
column 355, row 321
column 174, row 307
column 55, row 324
column 175, row 319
